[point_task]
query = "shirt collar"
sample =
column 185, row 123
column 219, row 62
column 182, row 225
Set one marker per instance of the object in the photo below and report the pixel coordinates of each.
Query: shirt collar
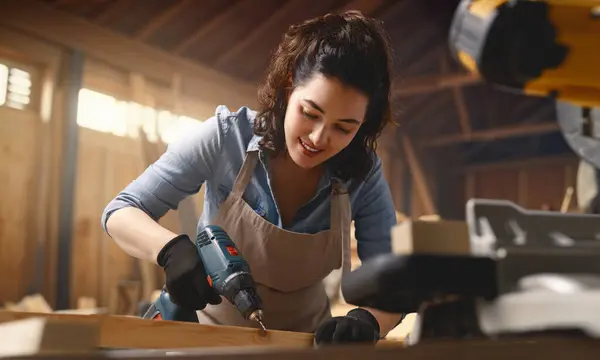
column 253, row 144
column 326, row 179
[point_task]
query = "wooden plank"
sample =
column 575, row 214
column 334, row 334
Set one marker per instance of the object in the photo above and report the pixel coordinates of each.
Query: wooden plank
column 491, row 134
column 366, row 7
column 419, row 179
column 458, row 97
column 131, row 332
column 546, row 348
column 46, row 336
column 262, row 28
column 217, row 21
column 432, row 83
column 169, row 13
column 205, row 83
column 18, row 139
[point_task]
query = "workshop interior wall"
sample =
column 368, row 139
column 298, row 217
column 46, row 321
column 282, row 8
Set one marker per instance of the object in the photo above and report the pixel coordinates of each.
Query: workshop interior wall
column 17, row 156
column 106, row 164
column 533, row 184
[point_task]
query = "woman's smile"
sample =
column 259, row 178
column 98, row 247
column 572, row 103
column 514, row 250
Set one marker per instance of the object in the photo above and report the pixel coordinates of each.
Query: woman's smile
column 308, row 149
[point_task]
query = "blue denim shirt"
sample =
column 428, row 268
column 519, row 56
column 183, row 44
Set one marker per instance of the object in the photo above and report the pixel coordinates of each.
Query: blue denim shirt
column 212, row 154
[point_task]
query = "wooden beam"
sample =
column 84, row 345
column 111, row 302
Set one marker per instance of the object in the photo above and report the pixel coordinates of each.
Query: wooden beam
column 168, row 14
column 566, row 160
column 418, row 176
column 65, row 2
column 72, row 82
column 209, row 27
column 366, row 7
column 129, row 332
column 112, row 10
column 431, row 83
column 459, row 100
column 491, row 134
column 41, row 20
column 265, row 26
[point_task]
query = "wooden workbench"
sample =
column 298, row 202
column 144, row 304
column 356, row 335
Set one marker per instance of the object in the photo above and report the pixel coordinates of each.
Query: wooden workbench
column 551, row 348
column 123, row 332
column 119, row 337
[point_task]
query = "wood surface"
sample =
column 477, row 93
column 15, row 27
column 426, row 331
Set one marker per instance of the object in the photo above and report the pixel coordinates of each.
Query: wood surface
column 129, row 332
column 426, row 237
column 42, row 336
column 550, row 348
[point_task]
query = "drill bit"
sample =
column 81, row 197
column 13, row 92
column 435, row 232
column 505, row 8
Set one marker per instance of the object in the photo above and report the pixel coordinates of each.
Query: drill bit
column 257, row 316
column 262, row 325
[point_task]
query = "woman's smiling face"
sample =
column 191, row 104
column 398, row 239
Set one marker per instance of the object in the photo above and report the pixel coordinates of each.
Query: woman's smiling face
column 322, row 117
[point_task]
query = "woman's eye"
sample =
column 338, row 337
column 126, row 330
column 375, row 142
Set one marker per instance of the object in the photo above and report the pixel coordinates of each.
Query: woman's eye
column 345, row 131
column 309, row 115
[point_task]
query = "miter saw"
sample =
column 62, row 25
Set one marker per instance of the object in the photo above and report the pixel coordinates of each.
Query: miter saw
column 527, row 271
column 545, row 48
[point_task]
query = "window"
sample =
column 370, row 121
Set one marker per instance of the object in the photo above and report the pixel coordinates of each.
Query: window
column 15, row 87
column 101, row 112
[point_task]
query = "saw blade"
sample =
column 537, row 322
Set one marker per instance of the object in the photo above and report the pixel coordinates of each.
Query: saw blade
column 583, row 136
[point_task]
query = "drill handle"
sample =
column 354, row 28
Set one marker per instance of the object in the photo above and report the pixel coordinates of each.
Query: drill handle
column 164, row 308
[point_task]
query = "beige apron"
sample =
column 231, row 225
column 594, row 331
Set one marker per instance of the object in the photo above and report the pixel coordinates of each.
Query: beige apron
column 288, row 267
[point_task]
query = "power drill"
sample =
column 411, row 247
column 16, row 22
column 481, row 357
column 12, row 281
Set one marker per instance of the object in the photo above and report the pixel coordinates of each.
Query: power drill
column 227, row 273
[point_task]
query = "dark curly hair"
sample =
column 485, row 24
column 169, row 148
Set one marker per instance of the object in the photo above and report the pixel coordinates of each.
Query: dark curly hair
column 353, row 49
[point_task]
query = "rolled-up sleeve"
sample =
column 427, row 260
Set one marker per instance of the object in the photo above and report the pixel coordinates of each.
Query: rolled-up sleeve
column 179, row 172
column 375, row 215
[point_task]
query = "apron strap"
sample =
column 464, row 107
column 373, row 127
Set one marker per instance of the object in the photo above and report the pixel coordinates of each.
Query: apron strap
column 243, row 177
column 340, row 220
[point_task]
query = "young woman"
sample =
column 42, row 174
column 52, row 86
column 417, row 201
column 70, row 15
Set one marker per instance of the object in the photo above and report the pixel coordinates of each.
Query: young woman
column 284, row 182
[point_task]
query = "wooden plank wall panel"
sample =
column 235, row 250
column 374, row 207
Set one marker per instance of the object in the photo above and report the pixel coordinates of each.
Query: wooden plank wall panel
column 497, row 184
column 530, row 183
column 547, row 186
column 86, row 250
column 121, row 167
column 17, row 156
column 18, row 133
column 106, row 164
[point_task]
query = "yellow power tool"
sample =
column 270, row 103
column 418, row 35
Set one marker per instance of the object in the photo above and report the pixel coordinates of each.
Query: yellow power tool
column 540, row 48
column 547, row 48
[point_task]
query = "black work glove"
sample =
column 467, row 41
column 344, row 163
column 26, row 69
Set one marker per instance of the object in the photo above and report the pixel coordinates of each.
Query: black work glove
column 358, row 326
column 186, row 281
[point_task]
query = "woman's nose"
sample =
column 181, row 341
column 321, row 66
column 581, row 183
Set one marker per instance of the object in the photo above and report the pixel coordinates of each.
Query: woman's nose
column 319, row 136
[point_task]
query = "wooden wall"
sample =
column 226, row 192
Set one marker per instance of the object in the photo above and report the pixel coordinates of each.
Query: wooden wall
column 30, row 178
column 17, row 186
column 532, row 184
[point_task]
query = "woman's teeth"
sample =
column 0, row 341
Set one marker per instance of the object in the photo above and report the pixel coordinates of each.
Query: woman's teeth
column 311, row 149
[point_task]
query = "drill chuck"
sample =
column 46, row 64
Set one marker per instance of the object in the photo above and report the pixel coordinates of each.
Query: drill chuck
column 240, row 290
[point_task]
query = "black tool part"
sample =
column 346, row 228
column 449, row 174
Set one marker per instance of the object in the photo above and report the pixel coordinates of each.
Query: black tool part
column 241, row 291
column 449, row 320
column 401, row 283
